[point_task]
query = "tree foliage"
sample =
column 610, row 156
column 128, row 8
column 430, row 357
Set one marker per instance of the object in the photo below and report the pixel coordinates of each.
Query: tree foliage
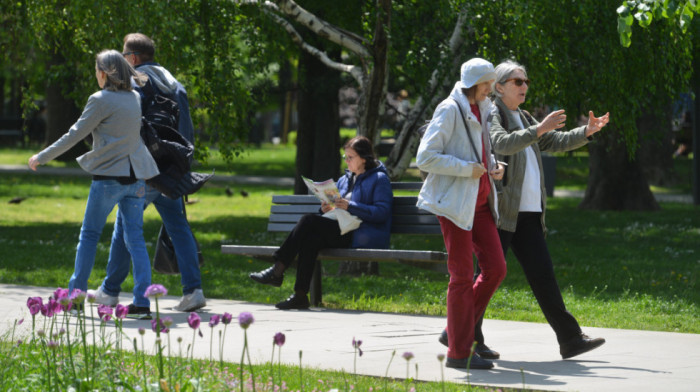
column 209, row 46
column 646, row 11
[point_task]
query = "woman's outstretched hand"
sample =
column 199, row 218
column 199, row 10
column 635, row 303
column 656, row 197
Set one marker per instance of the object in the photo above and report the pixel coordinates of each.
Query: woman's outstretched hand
column 595, row 124
column 554, row 120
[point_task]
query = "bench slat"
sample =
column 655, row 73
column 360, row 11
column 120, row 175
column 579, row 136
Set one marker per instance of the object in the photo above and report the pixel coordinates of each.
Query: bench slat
column 387, row 255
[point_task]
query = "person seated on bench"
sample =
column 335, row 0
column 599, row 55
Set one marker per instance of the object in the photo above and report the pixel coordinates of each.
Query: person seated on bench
column 366, row 193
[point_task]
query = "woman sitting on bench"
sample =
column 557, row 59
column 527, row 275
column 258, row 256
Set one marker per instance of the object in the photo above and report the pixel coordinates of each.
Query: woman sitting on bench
column 366, row 193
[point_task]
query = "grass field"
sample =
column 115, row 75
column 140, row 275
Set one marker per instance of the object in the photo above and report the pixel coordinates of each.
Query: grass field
column 634, row 270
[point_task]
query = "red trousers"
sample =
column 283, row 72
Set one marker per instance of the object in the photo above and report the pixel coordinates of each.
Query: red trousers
column 466, row 298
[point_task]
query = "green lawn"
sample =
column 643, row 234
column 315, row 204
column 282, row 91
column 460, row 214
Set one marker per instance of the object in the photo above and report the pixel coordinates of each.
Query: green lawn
column 634, row 270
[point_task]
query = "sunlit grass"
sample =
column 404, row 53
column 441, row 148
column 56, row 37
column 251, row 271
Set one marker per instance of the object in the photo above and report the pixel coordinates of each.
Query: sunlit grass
column 609, row 264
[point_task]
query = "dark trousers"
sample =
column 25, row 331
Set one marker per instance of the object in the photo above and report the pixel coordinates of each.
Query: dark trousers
column 530, row 249
column 311, row 234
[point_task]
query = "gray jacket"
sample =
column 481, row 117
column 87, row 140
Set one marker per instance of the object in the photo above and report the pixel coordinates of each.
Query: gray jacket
column 114, row 119
column 509, row 146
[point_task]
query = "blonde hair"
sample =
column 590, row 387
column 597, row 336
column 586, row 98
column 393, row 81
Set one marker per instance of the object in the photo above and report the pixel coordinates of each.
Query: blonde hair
column 118, row 71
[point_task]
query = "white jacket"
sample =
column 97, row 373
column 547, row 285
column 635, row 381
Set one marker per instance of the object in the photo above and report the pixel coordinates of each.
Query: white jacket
column 446, row 154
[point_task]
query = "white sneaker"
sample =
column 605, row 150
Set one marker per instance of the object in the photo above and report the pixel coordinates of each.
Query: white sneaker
column 191, row 302
column 103, row 298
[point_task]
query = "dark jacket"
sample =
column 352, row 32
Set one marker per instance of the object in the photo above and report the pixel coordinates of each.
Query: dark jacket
column 371, row 201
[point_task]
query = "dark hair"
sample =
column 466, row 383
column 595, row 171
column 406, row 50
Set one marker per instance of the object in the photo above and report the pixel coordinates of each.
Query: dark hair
column 141, row 45
column 118, row 71
column 363, row 148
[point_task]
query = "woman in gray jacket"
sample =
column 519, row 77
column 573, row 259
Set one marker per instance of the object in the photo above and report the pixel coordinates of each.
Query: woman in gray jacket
column 518, row 140
column 119, row 162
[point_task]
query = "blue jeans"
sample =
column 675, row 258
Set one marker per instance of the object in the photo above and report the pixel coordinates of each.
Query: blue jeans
column 172, row 213
column 104, row 195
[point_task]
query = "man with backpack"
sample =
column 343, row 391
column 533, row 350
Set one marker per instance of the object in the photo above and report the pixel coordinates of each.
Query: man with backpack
column 139, row 51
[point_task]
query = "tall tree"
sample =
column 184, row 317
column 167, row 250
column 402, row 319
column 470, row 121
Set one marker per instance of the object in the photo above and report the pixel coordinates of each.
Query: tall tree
column 572, row 53
column 679, row 13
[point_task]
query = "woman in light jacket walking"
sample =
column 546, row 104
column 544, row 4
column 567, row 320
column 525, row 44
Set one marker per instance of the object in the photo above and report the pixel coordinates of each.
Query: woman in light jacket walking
column 455, row 152
column 119, row 163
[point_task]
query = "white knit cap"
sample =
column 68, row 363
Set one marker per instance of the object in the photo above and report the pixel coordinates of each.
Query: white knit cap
column 475, row 71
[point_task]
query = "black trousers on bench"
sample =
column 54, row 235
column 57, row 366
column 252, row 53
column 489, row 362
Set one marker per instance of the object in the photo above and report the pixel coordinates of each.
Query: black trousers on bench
column 311, row 234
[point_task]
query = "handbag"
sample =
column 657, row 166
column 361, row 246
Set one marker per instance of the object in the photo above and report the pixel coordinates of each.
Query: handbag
column 164, row 259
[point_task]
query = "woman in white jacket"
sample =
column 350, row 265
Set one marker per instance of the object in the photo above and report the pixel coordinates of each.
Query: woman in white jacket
column 456, row 153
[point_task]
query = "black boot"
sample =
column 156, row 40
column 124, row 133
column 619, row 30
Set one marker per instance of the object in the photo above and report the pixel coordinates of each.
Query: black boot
column 268, row 277
column 295, row 301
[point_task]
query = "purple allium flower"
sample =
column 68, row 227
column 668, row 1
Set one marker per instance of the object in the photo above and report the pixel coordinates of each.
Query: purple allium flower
column 105, row 312
column 41, row 333
column 214, row 320
column 194, row 320
column 47, row 310
column 167, row 321
column 34, row 300
column 155, row 291
column 441, row 357
column 78, row 296
column 163, row 328
column 60, row 293
column 66, row 303
column 121, row 311
column 279, row 339
column 52, row 344
column 55, row 306
column 245, row 319
column 142, row 331
column 34, row 304
column 226, row 318
column 356, row 344
column 407, row 355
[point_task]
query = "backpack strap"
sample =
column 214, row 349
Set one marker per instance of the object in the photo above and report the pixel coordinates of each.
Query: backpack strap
column 469, row 134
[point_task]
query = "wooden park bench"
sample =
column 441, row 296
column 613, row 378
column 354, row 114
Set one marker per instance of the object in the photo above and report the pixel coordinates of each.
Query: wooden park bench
column 406, row 218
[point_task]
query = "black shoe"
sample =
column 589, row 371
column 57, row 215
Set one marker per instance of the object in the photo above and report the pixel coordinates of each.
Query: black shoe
column 267, row 277
column 295, row 301
column 483, row 350
column 138, row 312
column 476, row 363
column 579, row 345
column 443, row 338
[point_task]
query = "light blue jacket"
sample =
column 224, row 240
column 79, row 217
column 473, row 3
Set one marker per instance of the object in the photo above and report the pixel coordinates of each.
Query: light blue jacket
column 446, row 154
column 114, row 119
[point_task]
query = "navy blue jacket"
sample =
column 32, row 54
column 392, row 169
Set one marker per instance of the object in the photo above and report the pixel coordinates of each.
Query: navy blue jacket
column 371, row 201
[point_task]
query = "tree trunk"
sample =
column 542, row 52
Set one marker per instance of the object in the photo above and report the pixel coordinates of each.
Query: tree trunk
column 61, row 113
column 656, row 150
column 616, row 182
column 318, row 134
column 373, row 92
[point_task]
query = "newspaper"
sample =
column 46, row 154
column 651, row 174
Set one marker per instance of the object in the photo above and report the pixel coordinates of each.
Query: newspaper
column 327, row 191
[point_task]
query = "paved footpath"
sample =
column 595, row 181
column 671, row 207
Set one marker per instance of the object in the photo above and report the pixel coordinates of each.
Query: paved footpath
column 630, row 360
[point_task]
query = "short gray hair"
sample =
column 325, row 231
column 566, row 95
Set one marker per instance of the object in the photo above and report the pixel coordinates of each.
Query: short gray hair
column 118, row 71
column 504, row 71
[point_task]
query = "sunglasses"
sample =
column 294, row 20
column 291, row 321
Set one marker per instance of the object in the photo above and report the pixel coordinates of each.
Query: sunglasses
column 518, row 82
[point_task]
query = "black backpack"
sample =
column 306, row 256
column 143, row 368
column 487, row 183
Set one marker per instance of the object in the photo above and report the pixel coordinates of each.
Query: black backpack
column 171, row 151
